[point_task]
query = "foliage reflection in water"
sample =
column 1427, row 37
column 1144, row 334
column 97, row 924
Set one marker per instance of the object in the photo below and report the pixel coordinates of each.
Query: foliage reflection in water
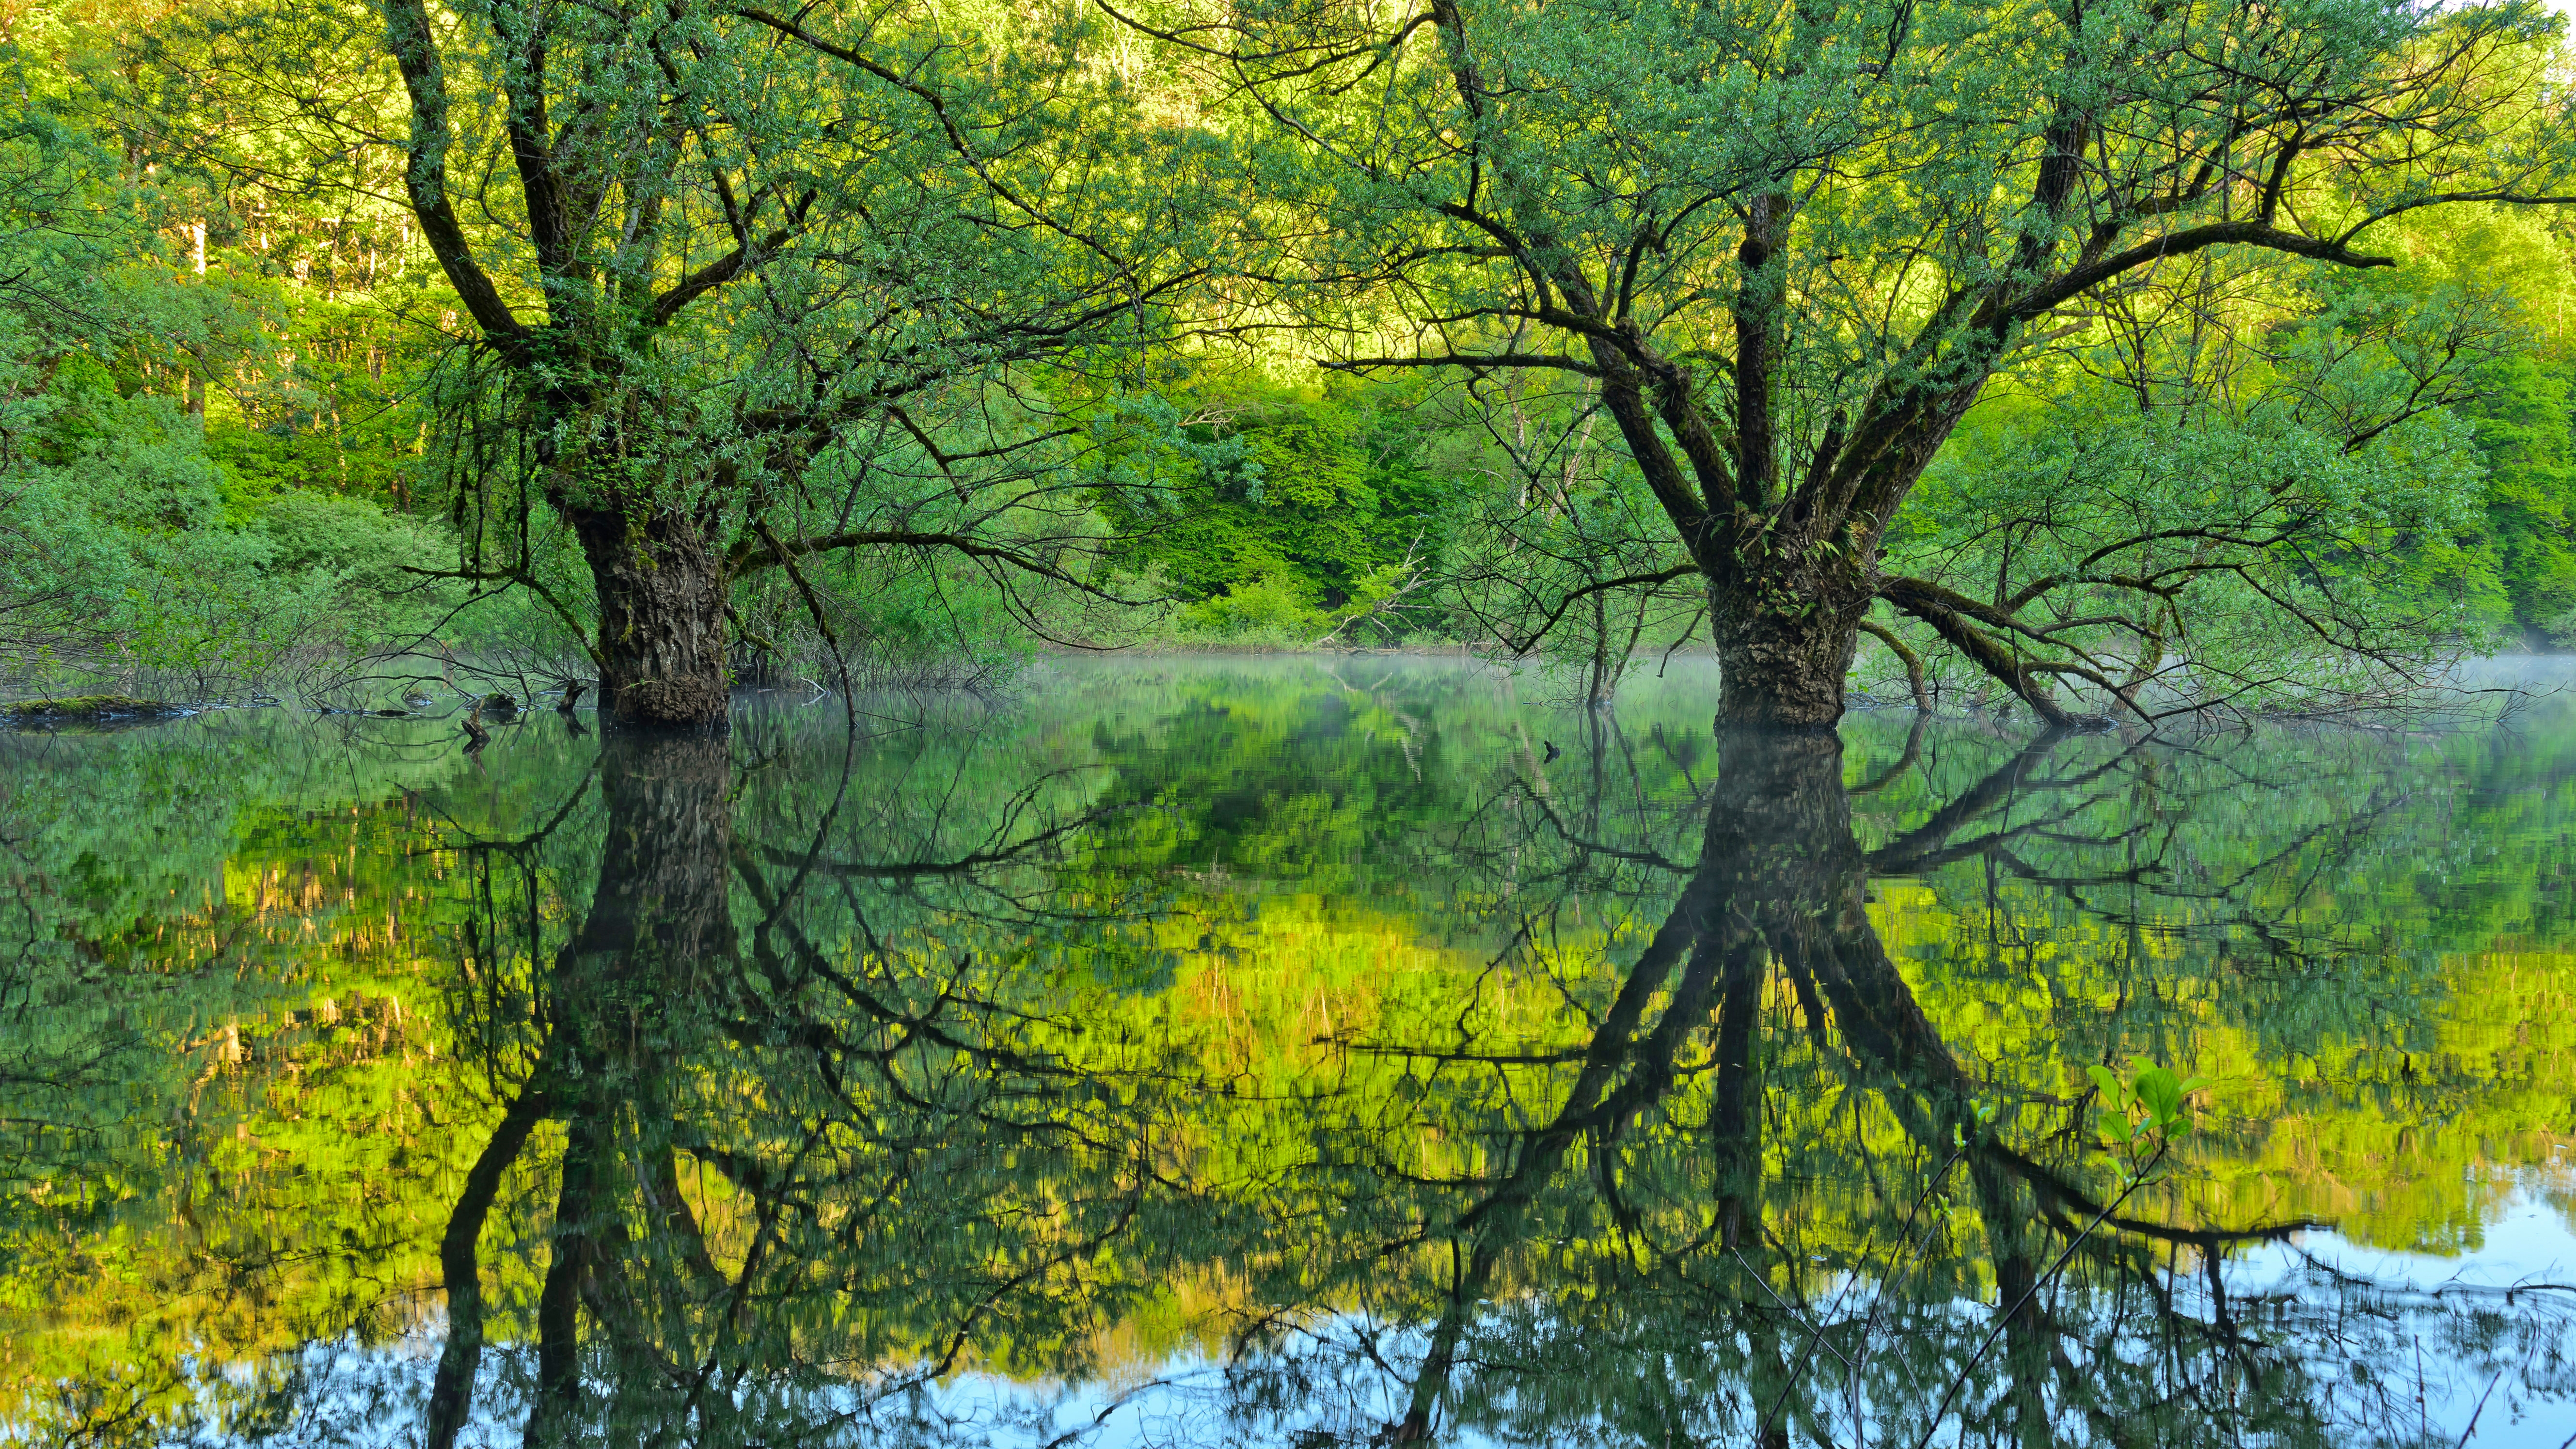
column 1270, row 1053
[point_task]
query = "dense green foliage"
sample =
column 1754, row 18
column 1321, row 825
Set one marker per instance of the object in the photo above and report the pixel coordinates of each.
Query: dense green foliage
column 1270, row 513
column 1323, row 1051
column 244, row 401
column 135, row 551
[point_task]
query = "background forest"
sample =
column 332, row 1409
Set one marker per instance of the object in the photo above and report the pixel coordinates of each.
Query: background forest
column 247, row 447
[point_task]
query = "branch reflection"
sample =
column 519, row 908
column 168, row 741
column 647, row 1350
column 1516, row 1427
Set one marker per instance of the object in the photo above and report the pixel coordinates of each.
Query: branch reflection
column 886, row 1123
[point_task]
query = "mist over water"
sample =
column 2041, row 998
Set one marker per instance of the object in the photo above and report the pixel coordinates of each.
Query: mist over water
column 1287, row 1051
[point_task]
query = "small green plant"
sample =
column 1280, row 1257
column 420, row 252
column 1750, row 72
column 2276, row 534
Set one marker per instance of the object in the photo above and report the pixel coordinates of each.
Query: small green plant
column 1985, row 1114
column 2142, row 1117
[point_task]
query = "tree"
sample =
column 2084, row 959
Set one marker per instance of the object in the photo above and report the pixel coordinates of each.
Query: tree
column 1790, row 245
column 764, row 286
column 2256, row 492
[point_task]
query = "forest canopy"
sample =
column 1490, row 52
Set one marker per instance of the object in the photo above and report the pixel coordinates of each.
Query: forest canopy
column 2090, row 360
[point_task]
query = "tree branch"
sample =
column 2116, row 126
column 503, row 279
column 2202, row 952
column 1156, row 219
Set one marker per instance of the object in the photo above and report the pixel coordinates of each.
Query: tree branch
column 2182, row 243
column 1912, row 661
column 1664, row 576
column 425, row 175
column 1481, row 362
column 746, row 558
column 1948, row 613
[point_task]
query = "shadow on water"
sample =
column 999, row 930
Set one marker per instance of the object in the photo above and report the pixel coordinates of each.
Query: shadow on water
column 802, row 1108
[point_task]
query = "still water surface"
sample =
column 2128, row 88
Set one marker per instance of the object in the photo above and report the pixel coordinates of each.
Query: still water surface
column 1283, row 1053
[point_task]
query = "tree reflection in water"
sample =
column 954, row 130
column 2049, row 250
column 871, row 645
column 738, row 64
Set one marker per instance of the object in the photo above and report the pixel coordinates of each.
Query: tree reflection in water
column 855, row 1126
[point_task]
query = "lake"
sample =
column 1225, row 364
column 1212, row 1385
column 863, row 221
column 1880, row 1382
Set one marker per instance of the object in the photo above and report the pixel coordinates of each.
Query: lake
column 1295, row 1052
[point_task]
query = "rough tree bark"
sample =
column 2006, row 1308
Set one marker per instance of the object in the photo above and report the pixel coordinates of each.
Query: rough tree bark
column 662, row 589
column 1785, row 666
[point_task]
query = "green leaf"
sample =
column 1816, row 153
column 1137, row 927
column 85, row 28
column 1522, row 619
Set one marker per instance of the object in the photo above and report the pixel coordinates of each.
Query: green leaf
column 2161, row 1091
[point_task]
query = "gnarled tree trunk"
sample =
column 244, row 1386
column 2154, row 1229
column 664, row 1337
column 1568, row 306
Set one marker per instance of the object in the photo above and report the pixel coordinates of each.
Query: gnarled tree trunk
column 1784, row 667
column 662, row 588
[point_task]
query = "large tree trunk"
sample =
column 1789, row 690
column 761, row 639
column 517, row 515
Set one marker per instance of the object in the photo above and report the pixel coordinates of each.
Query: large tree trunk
column 1783, row 669
column 661, row 586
